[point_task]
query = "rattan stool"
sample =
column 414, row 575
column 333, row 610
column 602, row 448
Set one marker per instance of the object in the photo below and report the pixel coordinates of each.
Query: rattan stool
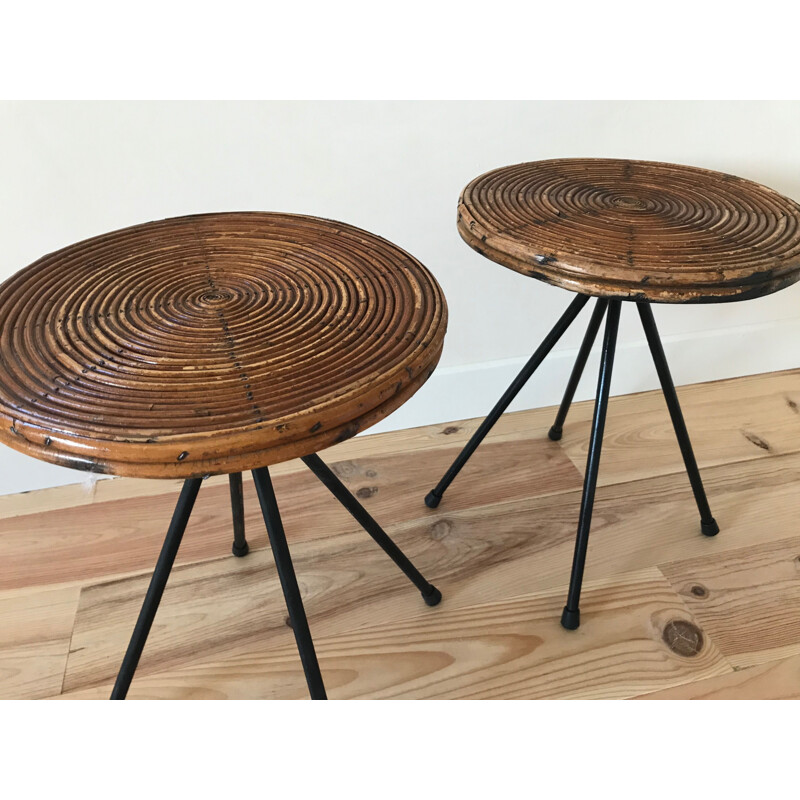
column 625, row 230
column 213, row 344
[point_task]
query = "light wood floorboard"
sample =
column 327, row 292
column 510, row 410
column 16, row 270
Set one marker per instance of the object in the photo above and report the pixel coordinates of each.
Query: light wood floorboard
column 774, row 680
column 76, row 564
column 510, row 649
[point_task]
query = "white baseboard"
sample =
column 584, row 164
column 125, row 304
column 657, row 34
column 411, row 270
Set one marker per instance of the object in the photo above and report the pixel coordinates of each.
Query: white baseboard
column 464, row 392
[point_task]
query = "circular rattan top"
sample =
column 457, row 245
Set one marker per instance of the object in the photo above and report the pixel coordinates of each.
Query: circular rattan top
column 212, row 343
column 637, row 229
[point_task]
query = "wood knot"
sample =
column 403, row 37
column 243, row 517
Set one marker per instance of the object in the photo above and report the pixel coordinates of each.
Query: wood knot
column 344, row 469
column 370, row 473
column 683, row 637
column 756, row 440
column 365, row 492
column 699, row 591
column 440, row 529
column 451, row 429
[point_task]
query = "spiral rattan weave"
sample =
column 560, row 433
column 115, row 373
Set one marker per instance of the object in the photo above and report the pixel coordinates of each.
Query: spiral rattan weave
column 639, row 229
column 212, row 343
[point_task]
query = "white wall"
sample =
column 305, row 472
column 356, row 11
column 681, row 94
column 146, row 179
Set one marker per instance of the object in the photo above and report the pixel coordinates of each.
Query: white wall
column 73, row 170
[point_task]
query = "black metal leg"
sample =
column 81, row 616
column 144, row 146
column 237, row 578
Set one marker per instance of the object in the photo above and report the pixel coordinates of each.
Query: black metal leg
column 166, row 559
column 570, row 618
column 708, row 525
column 430, row 593
column 240, row 547
column 434, row 496
column 580, row 363
column 291, row 591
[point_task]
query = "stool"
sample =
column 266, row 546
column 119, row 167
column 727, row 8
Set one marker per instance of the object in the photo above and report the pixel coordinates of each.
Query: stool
column 213, row 344
column 622, row 230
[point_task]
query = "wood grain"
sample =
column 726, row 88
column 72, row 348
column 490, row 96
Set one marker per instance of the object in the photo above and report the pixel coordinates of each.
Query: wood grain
column 503, row 536
column 634, row 229
column 502, row 650
column 480, row 555
column 83, row 544
column 775, row 680
column 36, row 629
column 748, row 599
column 523, row 546
column 212, row 343
column 754, row 417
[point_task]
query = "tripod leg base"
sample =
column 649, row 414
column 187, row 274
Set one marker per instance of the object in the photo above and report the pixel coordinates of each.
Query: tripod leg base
column 432, row 499
column 709, row 528
column 570, row 620
column 432, row 597
column 555, row 433
column 240, row 551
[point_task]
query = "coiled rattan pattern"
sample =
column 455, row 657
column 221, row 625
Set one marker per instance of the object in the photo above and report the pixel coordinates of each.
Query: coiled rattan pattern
column 212, row 343
column 639, row 229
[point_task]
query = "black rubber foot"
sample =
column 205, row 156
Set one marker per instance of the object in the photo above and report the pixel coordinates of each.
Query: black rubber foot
column 570, row 619
column 433, row 597
column 432, row 500
column 555, row 433
column 240, row 552
column 709, row 528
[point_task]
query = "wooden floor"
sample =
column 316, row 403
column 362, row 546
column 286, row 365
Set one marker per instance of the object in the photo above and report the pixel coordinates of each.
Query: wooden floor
column 666, row 612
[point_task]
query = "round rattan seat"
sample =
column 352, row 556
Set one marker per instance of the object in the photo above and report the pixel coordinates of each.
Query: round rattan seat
column 212, row 343
column 634, row 229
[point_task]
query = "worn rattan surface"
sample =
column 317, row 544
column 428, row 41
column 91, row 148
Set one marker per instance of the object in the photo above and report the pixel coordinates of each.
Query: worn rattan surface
column 212, row 343
column 640, row 229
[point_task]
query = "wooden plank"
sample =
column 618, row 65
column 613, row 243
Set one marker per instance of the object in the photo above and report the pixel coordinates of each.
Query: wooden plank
column 477, row 555
column 35, row 630
column 774, row 680
column 522, row 546
column 738, row 420
column 97, row 542
column 206, row 607
column 510, row 649
column 505, row 530
column 748, row 599
column 81, row 544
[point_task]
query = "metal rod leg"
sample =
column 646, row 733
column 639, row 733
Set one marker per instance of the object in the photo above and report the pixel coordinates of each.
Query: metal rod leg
column 580, row 363
column 430, row 594
column 240, row 547
column 291, row 591
column 435, row 495
column 708, row 525
column 570, row 618
column 156, row 589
